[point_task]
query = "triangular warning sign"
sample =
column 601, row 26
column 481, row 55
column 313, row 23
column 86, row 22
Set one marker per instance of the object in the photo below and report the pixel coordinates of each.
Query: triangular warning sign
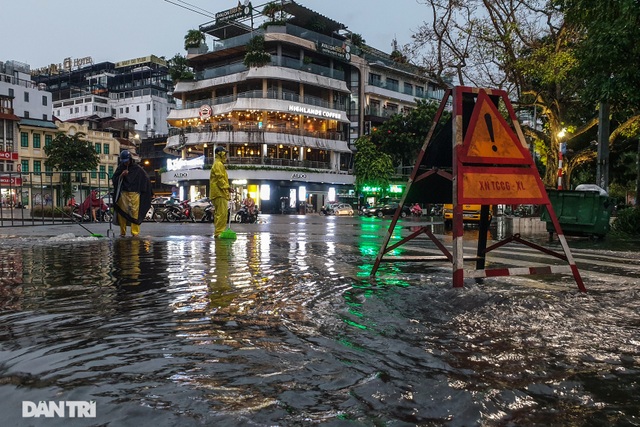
column 489, row 139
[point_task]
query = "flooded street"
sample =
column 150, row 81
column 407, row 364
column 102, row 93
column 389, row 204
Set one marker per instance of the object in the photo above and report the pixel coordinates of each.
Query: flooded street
column 284, row 327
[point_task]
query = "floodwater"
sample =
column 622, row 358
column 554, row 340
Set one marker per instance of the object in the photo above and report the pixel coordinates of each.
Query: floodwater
column 283, row 327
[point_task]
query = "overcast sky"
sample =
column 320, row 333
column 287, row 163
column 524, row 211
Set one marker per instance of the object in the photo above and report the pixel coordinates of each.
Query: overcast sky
column 42, row 32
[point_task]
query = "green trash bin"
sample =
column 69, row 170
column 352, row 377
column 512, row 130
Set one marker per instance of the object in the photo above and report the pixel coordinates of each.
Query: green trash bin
column 580, row 212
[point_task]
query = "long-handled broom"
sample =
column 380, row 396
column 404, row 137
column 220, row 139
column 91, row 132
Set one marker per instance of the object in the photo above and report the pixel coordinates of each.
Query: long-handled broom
column 228, row 233
column 72, row 219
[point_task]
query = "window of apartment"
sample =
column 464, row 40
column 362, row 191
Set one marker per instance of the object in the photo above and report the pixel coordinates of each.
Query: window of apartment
column 26, row 97
column 77, row 109
column 419, row 92
column 86, row 108
column 148, row 107
column 24, row 139
column 126, row 110
column 36, row 141
column 11, row 92
column 105, row 148
column 24, row 165
column 94, row 174
column 37, row 167
column 47, row 140
column 70, row 110
column 393, row 84
column 44, row 117
column 44, row 100
column 26, row 114
column 98, row 147
column 375, row 79
column 121, row 110
column 137, row 108
column 374, row 107
column 48, row 170
column 408, row 88
column 103, row 172
column 110, row 170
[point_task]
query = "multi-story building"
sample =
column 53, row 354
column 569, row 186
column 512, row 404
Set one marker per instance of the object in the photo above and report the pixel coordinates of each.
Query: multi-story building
column 27, row 118
column 288, row 124
column 8, row 154
column 135, row 89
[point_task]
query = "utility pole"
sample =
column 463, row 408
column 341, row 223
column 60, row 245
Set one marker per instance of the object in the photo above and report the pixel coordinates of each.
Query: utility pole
column 602, row 172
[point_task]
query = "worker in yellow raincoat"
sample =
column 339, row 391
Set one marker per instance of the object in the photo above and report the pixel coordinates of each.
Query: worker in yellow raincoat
column 219, row 190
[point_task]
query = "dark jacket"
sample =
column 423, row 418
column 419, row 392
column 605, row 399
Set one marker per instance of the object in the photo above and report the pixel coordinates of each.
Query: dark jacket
column 136, row 181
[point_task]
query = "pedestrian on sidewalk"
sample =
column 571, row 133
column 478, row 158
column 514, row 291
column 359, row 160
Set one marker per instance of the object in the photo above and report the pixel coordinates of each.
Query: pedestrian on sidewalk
column 133, row 194
column 219, row 191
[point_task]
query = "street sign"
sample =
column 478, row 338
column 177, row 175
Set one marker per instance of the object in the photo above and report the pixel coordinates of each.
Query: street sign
column 205, row 112
column 481, row 185
column 489, row 139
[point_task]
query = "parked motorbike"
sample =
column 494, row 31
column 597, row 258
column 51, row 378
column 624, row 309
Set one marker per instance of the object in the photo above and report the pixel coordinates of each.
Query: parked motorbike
column 416, row 210
column 154, row 214
column 179, row 212
column 207, row 214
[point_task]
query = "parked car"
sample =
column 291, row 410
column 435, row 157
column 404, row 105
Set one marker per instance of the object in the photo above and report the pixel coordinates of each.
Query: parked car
column 328, row 208
column 342, row 209
column 200, row 203
column 160, row 201
column 387, row 209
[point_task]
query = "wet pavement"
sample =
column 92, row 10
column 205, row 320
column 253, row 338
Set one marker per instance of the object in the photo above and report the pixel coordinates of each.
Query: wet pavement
column 283, row 326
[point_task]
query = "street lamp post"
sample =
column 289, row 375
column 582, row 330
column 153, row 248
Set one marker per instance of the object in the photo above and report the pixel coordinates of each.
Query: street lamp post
column 561, row 151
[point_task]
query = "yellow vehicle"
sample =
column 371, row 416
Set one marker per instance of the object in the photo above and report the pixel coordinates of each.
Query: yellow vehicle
column 470, row 214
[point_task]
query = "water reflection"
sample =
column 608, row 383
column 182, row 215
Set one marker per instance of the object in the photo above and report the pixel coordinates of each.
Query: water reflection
column 287, row 329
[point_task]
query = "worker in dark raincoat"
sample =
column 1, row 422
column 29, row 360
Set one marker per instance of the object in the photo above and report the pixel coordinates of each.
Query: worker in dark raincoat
column 133, row 194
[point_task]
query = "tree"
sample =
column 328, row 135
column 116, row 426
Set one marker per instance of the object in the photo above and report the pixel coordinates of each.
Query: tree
column 402, row 135
column 372, row 167
column 560, row 57
column 193, row 39
column 271, row 10
column 179, row 69
column 256, row 55
column 523, row 47
column 357, row 39
column 609, row 62
column 69, row 153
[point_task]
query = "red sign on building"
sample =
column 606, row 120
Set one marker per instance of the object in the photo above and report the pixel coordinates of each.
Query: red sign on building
column 8, row 155
column 13, row 181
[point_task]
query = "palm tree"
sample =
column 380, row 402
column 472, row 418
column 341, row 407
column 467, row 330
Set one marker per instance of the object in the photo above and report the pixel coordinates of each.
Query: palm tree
column 193, row 39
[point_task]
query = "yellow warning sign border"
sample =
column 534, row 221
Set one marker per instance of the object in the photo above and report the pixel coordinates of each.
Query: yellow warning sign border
column 463, row 151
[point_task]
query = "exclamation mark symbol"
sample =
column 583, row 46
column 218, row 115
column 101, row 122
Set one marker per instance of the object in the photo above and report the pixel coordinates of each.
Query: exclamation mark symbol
column 487, row 118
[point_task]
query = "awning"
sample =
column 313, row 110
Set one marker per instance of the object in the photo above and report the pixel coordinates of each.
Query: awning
column 9, row 116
